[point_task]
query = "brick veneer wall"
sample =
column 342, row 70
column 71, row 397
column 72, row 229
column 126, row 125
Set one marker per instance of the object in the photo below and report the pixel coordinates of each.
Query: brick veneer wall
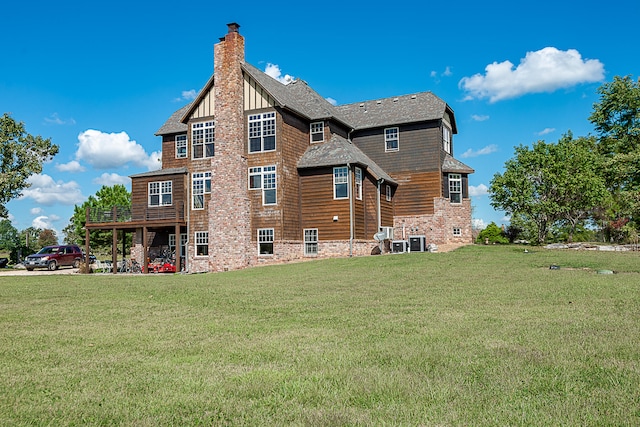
column 438, row 228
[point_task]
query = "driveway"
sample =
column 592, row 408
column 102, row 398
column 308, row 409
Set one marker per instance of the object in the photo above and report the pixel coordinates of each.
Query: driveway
column 23, row 272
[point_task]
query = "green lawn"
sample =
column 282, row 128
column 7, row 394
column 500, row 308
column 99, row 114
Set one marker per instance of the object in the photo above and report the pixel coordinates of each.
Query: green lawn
column 479, row 336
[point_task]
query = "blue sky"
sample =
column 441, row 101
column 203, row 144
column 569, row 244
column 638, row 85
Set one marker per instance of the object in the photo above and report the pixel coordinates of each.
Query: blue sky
column 100, row 78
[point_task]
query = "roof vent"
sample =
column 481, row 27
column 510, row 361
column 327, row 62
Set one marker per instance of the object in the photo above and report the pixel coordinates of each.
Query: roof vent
column 378, row 102
column 413, row 97
column 395, row 99
column 362, row 105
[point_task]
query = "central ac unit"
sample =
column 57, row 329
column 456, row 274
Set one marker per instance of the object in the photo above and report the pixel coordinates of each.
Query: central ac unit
column 417, row 243
column 399, row 246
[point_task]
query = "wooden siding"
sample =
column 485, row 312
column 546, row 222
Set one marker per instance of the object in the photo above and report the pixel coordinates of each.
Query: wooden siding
column 386, row 207
column 205, row 107
column 415, row 192
column 169, row 152
column 318, row 206
column 419, row 147
column 140, row 209
column 255, row 97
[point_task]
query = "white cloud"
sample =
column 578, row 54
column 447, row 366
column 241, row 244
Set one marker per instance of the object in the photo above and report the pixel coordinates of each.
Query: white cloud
column 45, row 191
column 545, row 70
column 42, row 222
column 72, row 166
column 189, row 95
column 54, row 119
column 478, row 224
column 113, row 150
column 332, row 101
column 480, row 190
column 479, row 118
column 546, row 131
column 35, row 211
column 110, row 179
column 273, row 70
column 491, row 148
column 447, row 72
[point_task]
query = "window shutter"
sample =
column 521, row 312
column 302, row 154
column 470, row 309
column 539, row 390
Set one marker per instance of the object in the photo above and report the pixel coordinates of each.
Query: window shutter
column 445, row 186
column 465, row 186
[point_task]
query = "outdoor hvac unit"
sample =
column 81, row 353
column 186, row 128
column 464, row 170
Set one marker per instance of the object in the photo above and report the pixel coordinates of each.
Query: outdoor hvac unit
column 399, row 246
column 417, row 243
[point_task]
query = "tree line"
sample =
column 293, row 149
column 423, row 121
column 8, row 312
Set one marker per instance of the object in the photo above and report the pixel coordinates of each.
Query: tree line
column 579, row 185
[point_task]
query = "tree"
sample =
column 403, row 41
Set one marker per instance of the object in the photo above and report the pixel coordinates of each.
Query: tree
column 47, row 237
column 616, row 118
column 551, row 182
column 9, row 239
column 492, row 234
column 21, row 155
column 105, row 199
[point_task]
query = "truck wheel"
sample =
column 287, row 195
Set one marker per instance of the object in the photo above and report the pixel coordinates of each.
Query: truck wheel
column 52, row 266
column 76, row 263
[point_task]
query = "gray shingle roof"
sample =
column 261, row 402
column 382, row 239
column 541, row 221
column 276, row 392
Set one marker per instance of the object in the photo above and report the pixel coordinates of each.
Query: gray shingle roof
column 339, row 151
column 160, row 172
column 174, row 123
column 393, row 111
column 449, row 164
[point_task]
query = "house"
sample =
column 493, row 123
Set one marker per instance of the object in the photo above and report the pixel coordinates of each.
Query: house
column 257, row 172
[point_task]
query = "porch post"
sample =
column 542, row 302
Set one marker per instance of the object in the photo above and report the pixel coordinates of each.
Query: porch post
column 145, row 252
column 86, row 249
column 178, row 249
column 114, row 251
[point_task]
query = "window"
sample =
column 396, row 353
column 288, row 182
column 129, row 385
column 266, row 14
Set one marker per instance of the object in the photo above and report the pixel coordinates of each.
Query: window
column 457, row 231
column 262, row 132
column 264, row 178
column 340, row 182
column 183, row 244
column 202, row 139
column 391, row 139
column 388, row 193
column 317, row 132
column 446, row 139
column 202, row 243
column 200, row 185
column 358, row 183
column 160, row 193
column 181, row 146
column 311, row 241
column 455, row 188
column 265, row 241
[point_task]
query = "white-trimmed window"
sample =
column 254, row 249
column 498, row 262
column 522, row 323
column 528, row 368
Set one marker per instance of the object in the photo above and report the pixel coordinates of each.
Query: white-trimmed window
column 160, row 193
column 391, row 139
column 181, row 146
column 455, row 188
column 200, row 185
column 183, row 242
column 457, row 231
column 358, row 183
column 310, row 241
column 388, row 192
column 202, row 139
column 446, row 138
column 262, row 132
column 317, row 132
column 341, row 182
column 202, row 243
column 265, row 241
column 264, row 178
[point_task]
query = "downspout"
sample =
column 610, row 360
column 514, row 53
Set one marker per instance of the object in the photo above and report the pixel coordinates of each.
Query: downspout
column 186, row 244
column 378, row 201
column 349, row 183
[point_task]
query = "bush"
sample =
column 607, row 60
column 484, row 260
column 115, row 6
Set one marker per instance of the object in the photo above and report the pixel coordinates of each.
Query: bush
column 492, row 235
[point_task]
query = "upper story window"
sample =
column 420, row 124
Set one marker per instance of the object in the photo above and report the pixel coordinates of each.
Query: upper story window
column 317, row 132
column 264, row 178
column 181, row 146
column 340, row 182
column 358, row 184
column 160, row 193
column 202, row 139
column 200, row 185
column 455, row 188
column 446, row 139
column 262, row 132
column 391, row 139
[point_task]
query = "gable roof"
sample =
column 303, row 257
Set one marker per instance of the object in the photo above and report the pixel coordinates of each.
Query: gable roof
column 396, row 110
column 449, row 164
column 160, row 172
column 174, row 123
column 339, row 151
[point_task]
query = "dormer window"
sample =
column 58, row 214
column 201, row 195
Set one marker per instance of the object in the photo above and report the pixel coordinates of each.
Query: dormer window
column 317, row 132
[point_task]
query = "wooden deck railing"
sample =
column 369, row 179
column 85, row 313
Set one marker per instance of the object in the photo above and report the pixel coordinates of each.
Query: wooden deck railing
column 125, row 214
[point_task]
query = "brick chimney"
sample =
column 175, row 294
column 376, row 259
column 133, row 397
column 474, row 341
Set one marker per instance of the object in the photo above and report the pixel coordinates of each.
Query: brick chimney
column 229, row 210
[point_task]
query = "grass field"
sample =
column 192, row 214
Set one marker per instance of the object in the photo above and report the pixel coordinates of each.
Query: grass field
column 482, row 336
